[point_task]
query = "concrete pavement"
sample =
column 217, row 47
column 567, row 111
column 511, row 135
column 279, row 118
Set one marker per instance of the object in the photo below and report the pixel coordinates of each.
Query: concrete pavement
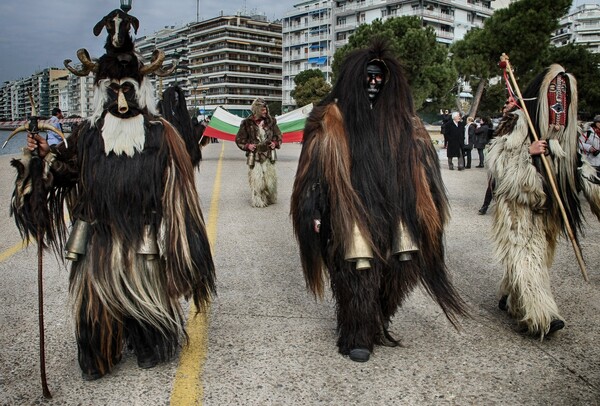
column 269, row 342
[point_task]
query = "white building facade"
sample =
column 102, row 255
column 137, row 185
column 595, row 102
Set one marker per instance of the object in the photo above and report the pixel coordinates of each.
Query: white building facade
column 227, row 61
column 580, row 27
column 315, row 29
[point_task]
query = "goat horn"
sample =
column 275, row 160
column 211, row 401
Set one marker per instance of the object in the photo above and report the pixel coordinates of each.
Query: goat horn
column 166, row 72
column 158, row 57
column 48, row 127
column 41, row 126
column 87, row 64
column 12, row 134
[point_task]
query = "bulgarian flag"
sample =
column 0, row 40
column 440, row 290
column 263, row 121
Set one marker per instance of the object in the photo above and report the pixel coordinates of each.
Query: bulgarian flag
column 224, row 125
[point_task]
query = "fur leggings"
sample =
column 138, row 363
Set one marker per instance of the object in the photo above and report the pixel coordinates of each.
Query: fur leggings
column 263, row 184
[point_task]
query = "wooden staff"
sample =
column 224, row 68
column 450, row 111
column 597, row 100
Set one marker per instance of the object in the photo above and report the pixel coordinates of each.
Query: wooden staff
column 505, row 64
column 45, row 389
column 33, row 128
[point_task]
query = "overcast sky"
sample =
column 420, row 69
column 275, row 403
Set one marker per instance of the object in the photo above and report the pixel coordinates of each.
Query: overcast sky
column 36, row 34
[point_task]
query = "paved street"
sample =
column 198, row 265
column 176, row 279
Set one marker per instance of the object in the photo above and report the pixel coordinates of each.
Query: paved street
column 267, row 341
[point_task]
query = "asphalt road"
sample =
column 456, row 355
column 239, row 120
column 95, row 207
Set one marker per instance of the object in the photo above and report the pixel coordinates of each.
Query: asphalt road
column 267, row 341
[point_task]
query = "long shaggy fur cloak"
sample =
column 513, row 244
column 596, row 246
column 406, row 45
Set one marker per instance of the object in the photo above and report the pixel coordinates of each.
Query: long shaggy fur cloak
column 527, row 221
column 372, row 168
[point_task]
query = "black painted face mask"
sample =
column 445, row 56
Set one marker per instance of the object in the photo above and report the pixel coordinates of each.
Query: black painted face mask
column 375, row 79
column 122, row 99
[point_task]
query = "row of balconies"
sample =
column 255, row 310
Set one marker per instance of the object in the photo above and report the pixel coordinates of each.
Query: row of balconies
column 309, row 24
column 302, row 41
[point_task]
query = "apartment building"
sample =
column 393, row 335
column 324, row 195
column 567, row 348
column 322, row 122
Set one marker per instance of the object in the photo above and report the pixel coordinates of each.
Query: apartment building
column 225, row 61
column 80, row 96
column 307, row 43
column 315, row 29
column 581, row 27
column 15, row 103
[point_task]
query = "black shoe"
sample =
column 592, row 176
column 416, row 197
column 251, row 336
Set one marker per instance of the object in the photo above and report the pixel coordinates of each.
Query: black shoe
column 91, row 375
column 556, row 325
column 461, row 169
column 146, row 358
column 483, row 210
column 502, row 303
column 451, row 168
column 468, row 167
column 479, row 166
column 359, row 354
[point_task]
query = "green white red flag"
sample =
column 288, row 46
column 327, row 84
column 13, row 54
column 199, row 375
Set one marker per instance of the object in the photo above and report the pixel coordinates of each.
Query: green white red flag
column 224, row 125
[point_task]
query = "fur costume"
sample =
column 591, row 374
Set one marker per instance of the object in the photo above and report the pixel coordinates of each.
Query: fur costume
column 261, row 132
column 139, row 241
column 174, row 109
column 527, row 220
column 368, row 174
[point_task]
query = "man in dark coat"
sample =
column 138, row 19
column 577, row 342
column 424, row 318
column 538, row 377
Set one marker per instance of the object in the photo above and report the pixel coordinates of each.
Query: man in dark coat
column 259, row 136
column 455, row 131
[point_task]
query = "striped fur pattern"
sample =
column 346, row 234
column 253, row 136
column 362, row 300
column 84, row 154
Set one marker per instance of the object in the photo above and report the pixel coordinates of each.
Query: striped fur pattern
column 116, row 293
column 373, row 167
column 35, row 205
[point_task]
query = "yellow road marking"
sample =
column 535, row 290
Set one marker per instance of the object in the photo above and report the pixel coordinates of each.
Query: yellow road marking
column 187, row 388
column 4, row 255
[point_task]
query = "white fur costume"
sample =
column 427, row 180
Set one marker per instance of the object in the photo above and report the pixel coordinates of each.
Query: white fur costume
column 263, row 184
column 527, row 221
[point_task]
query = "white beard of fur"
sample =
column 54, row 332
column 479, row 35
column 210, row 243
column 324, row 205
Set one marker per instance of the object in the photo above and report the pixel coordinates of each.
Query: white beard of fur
column 123, row 136
column 263, row 184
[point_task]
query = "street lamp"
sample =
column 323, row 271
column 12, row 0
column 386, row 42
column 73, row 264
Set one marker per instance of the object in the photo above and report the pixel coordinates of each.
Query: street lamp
column 204, row 103
column 195, row 86
column 126, row 5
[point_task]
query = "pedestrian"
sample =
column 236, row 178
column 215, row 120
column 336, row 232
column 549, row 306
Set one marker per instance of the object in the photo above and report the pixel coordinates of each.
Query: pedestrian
column 468, row 141
column 481, row 140
column 54, row 138
column 446, row 118
column 259, row 136
column 368, row 202
column 455, row 132
column 527, row 221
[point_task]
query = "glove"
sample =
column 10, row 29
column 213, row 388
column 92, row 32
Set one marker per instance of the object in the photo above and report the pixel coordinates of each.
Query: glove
column 596, row 152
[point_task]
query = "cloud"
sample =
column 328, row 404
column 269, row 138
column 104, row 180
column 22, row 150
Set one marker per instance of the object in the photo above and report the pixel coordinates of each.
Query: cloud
column 36, row 34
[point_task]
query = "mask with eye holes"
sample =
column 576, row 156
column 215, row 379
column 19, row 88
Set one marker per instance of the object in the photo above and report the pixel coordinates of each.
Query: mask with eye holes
column 122, row 98
column 375, row 80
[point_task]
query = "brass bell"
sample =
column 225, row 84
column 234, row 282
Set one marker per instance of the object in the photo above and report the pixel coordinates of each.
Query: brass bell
column 77, row 243
column 148, row 246
column 404, row 244
column 250, row 160
column 359, row 251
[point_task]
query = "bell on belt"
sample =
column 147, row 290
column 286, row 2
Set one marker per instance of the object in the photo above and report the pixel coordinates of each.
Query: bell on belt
column 273, row 156
column 359, row 251
column 148, row 245
column 250, row 160
column 404, row 244
column 77, row 242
